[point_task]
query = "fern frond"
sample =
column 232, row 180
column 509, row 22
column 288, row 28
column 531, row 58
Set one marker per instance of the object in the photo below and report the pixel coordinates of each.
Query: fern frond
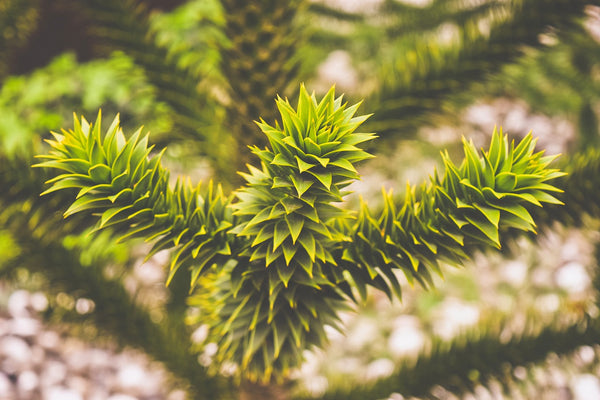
column 130, row 193
column 469, row 205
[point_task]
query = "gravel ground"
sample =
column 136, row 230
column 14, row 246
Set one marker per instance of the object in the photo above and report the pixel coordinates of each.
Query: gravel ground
column 38, row 362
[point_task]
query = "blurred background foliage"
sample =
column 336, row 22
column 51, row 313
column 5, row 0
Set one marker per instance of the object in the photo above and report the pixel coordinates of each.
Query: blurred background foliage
column 197, row 74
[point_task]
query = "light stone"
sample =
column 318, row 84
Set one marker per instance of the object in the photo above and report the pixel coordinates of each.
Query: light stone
column 61, row 393
column 18, row 303
column 27, row 382
column 586, row 387
column 17, row 352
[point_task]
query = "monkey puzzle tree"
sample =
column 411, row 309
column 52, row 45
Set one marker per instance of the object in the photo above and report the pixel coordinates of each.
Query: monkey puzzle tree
column 276, row 262
column 274, row 265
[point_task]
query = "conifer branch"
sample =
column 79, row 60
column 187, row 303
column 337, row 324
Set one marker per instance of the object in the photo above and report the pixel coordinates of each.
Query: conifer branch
column 579, row 192
column 36, row 227
column 472, row 359
column 130, row 193
column 471, row 204
column 430, row 73
column 124, row 25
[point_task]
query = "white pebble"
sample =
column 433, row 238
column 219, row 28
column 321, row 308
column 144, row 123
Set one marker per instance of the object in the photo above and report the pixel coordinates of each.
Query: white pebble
column 84, row 306
column 361, row 334
column 27, row 381
column 586, row 387
column 6, row 388
column 54, row 373
column 316, row 385
column 406, row 340
column 131, row 377
column 18, row 303
column 380, row 368
column 97, row 393
column 514, row 272
column 547, row 303
column 177, row 394
column 38, row 355
column 16, row 351
column 120, row 396
column 61, row 393
column 24, row 326
column 573, row 277
column 200, row 334
column 587, row 354
column 454, row 316
column 78, row 384
column 49, row 340
column 396, row 396
column 39, row 301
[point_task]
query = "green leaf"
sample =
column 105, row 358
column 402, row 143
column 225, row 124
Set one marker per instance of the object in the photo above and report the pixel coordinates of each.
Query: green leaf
column 344, row 164
column 111, row 213
column 303, row 165
column 73, row 165
column 304, row 260
column 518, row 211
column 324, row 177
column 487, row 228
column 289, row 250
column 124, row 196
column 65, row 183
column 301, row 185
column 285, row 272
column 271, row 255
column 307, row 241
column 281, row 232
column 295, row 224
column 280, row 160
column 100, row 173
column 491, row 214
column 86, row 202
column 291, row 204
column 265, row 233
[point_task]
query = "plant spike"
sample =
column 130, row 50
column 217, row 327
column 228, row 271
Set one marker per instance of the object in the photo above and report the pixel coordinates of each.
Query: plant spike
column 129, row 192
column 286, row 285
column 470, row 205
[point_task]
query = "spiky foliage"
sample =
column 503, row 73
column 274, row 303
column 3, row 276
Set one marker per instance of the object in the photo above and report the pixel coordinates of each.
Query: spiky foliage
column 125, row 25
column 128, row 28
column 427, row 56
column 259, row 63
column 469, row 205
column 37, row 232
column 282, row 251
column 285, row 288
column 432, row 71
column 579, row 188
column 131, row 194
